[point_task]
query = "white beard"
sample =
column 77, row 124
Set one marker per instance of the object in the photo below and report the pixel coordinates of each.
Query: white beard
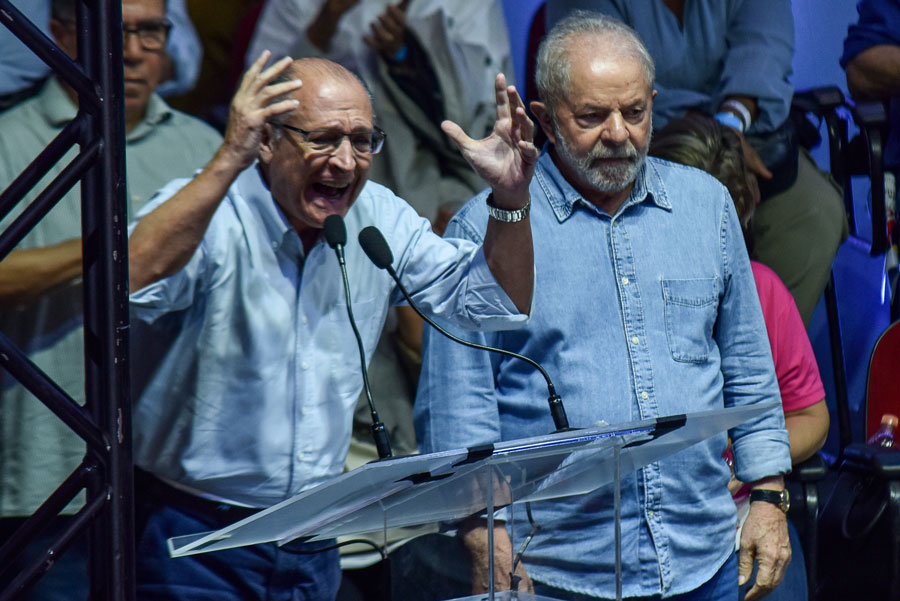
column 603, row 178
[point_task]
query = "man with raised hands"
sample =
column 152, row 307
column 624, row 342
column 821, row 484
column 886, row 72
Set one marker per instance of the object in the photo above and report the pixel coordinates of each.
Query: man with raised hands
column 249, row 399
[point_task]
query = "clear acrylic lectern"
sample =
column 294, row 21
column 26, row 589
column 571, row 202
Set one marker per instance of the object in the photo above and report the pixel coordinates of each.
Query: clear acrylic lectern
column 451, row 485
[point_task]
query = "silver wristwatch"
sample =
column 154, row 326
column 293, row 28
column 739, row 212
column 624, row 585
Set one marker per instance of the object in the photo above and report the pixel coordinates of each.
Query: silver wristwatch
column 506, row 215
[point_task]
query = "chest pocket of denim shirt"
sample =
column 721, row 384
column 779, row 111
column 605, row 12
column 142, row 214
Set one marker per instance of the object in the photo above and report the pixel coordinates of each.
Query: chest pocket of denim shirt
column 691, row 307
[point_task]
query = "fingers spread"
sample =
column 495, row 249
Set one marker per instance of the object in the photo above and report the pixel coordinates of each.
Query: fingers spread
column 525, row 125
column 279, row 108
column 501, row 97
column 456, row 133
column 393, row 19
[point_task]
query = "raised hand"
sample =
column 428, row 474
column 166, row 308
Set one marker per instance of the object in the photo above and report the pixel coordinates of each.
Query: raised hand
column 506, row 158
column 389, row 30
column 252, row 107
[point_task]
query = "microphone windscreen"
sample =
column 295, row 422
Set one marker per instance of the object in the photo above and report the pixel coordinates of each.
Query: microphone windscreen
column 335, row 231
column 376, row 247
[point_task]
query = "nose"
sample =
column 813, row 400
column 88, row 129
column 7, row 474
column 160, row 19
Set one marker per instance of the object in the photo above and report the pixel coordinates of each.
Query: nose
column 131, row 46
column 614, row 131
column 343, row 157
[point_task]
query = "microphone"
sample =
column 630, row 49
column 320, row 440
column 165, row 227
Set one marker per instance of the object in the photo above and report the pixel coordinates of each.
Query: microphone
column 377, row 249
column 336, row 237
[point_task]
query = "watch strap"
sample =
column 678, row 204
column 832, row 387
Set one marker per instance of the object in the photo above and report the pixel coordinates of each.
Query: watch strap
column 776, row 497
column 507, row 215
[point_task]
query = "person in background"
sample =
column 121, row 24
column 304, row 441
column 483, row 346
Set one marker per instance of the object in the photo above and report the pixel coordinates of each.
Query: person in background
column 731, row 59
column 40, row 281
column 22, row 72
column 645, row 307
column 424, row 61
column 702, row 142
column 872, row 61
column 224, row 28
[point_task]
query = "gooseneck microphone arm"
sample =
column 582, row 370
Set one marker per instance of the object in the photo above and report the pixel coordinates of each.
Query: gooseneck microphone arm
column 377, row 249
column 336, row 236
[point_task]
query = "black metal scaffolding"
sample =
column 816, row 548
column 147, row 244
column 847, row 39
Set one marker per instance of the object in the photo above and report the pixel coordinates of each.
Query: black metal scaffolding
column 104, row 422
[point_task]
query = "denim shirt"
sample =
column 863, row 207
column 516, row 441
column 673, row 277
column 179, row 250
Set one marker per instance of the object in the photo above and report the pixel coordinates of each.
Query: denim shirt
column 649, row 312
column 245, row 365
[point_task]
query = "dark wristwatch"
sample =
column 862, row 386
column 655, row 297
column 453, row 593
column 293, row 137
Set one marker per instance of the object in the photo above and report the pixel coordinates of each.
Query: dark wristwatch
column 781, row 498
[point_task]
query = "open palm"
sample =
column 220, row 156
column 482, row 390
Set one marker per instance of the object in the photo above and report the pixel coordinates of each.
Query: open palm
column 505, row 159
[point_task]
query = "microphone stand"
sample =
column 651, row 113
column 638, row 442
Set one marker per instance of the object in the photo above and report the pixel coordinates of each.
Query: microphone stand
column 336, row 236
column 378, row 251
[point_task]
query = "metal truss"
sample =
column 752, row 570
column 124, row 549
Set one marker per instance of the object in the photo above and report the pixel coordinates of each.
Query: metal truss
column 104, row 422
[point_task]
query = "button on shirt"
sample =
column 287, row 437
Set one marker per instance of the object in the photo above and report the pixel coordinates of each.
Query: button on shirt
column 649, row 312
column 249, row 369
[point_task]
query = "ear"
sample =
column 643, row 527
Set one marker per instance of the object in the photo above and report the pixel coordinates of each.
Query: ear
column 267, row 142
column 542, row 114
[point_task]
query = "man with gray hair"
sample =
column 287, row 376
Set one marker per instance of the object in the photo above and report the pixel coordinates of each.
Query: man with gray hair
column 650, row 311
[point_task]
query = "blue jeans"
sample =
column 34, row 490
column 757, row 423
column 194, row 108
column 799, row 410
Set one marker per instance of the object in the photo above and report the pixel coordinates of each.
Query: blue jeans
column 721, row 587
column 266, row 572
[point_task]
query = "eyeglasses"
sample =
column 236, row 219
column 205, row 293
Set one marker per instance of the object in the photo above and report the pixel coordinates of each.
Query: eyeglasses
column 328, row 141
column 152, row 34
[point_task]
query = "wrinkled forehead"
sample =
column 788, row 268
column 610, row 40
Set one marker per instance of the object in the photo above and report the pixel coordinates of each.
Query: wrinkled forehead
column 613, row 52
column 333, row 103
column 322, row 77
column 143, row 9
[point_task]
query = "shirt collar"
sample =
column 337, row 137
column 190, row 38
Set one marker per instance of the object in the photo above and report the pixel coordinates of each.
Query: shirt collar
column 278, row 230
column 157, row 112
column 59, row 109
column 564, row 198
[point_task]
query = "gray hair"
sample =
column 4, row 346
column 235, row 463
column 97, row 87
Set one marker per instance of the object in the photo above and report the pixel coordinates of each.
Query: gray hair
column 554, row 68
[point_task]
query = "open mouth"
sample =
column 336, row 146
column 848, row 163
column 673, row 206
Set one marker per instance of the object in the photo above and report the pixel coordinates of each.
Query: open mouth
column 330, row 192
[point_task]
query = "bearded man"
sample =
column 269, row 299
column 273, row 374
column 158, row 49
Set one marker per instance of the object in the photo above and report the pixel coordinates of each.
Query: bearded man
column 645, row 306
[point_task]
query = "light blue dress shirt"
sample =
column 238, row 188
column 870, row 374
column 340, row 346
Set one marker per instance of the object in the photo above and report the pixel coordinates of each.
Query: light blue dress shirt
column 246, row 366
column 723, row 48
column 650, row 312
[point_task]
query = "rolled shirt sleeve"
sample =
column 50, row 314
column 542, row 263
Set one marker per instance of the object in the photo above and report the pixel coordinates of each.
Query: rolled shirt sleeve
column 761, row 446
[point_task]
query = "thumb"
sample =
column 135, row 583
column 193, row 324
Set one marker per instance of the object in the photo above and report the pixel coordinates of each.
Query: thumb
column 456, row 133
column 745, row 566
